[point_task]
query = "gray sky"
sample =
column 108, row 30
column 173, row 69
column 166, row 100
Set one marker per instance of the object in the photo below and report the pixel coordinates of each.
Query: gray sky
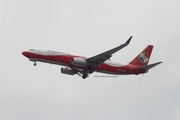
column 87, row 28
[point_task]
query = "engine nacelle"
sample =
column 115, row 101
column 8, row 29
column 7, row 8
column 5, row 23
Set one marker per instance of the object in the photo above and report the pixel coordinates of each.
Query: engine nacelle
column 79, row 61
column 68, row 71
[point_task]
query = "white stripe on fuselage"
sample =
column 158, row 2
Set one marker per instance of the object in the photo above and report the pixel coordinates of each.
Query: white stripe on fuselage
column 114, row 64
column 47, row 52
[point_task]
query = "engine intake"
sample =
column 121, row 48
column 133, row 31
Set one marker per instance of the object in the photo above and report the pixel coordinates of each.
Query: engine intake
column 68, row 71
column 79, row 61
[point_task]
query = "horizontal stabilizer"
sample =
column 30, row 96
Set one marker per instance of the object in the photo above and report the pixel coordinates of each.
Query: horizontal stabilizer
column 147, row 67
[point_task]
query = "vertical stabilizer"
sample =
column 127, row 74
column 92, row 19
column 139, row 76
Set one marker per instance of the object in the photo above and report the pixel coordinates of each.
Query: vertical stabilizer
column 143, row 58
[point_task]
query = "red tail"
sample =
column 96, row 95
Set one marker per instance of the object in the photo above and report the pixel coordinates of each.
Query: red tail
column 143, row 58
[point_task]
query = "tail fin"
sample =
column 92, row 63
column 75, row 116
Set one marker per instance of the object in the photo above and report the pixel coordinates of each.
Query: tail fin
column 143, row 58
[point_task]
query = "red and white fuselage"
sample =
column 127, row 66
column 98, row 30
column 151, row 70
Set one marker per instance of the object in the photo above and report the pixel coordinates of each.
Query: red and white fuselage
column 99, row 63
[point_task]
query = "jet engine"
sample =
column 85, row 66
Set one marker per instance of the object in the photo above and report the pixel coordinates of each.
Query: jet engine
column 68, row 71
column 79, row 61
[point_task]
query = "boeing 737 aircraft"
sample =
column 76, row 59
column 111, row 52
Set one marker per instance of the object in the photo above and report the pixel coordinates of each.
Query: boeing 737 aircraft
column 84, row 66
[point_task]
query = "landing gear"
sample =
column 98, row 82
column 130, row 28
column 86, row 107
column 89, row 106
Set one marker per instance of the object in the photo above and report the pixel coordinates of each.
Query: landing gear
column 85, row 75
column 90, row 69
column 35, row 63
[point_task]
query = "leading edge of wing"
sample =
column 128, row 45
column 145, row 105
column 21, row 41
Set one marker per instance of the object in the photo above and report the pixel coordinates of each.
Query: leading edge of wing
column 106, row 55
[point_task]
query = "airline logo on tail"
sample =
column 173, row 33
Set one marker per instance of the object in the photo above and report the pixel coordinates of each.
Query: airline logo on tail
column 144, row 57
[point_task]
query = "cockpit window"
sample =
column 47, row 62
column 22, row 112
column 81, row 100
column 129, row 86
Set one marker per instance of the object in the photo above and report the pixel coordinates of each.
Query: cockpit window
column 31, row 49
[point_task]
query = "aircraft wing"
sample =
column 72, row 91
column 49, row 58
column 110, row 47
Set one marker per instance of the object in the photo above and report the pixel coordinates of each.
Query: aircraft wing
column 100, row 58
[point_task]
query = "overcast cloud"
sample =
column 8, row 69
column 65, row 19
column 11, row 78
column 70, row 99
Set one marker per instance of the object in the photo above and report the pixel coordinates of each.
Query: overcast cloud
column 87, row 28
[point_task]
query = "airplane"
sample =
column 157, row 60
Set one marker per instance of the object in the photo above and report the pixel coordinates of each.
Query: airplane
column 84, row 66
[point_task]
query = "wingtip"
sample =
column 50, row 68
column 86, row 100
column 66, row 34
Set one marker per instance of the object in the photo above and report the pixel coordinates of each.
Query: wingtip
column 129, row 40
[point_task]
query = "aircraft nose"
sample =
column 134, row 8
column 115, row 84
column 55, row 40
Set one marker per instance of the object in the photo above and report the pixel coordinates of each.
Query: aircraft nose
column 24, row 53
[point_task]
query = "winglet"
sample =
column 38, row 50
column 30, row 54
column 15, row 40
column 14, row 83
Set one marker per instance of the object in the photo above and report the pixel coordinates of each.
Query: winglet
column 129, row 40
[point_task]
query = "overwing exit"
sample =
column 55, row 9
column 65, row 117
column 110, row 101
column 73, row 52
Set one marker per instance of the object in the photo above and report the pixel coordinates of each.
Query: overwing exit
column 84, row 66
